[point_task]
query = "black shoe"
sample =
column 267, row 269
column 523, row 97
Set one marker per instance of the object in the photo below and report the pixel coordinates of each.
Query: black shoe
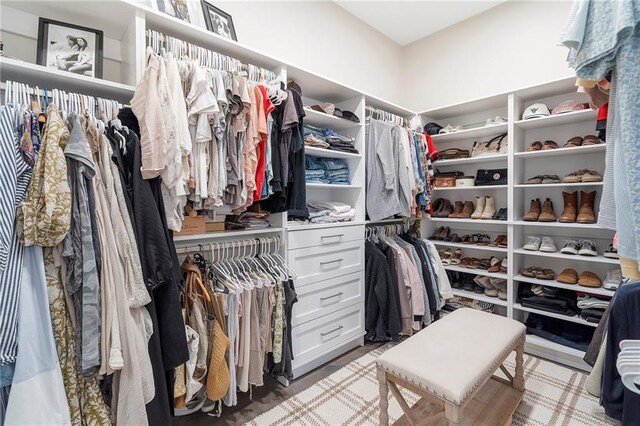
column 478, row 289
column 469, row 285
column 503, row 216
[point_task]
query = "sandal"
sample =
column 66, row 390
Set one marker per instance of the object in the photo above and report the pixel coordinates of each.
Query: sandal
column 495, row 242
column 495, row 265
column 530, row 272
column 545, row 274
column 536, row 146
column 590, row 140
column 484, row 264
column 503, row 243
column 465, row 261
column 466, row 239
column 483, row 239
column 573, row 142
column 549, row 145
column 456, row 239
column 446, row 259
column 450, row 237
column 457, row 257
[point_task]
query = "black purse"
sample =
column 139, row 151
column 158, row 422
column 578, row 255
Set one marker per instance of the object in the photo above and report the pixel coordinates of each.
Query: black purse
column 488, row 177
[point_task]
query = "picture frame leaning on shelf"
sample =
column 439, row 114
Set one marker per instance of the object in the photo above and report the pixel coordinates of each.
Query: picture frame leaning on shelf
column 69, row 47
column 218, row 21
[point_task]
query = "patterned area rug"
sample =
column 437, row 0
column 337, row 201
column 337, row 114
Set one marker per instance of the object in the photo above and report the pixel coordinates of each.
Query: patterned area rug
column 554, row 396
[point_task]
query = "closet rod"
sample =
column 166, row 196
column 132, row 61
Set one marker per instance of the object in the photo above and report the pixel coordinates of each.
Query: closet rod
column 36, row 91
column 196, row 52
column 384, row 116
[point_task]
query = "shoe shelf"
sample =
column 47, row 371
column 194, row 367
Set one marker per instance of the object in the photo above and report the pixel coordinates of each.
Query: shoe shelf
column 558, row 185
column 481, row 272
column 331, row 186
column 472, row 134
column 322, row 120
column 327, row 153
column 589, row 149
column 479, row 296
column 471, row 160
column 575, row 319
column 594, row 226
column 572, row 257
column 475, row 221
column 471, row 188
column 599, row 291
column 469, row 246
column 558, row 120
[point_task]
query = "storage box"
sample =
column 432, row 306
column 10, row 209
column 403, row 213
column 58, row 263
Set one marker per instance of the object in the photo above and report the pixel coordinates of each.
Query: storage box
column 214, row 226
column 192, row 226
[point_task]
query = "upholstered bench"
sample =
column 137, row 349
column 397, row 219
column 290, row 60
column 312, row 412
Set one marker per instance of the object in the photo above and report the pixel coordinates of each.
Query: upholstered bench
column 450, row 364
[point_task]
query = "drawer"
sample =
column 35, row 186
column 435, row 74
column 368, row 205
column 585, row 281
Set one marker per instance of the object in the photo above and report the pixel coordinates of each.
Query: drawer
column 323, row 297
column 315, row 337
column 314, row 264
column 324, row 237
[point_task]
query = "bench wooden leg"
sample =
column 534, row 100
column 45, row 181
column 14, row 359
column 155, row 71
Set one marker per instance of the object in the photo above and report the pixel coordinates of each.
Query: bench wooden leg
column 452, row 413
column 518, row 380
column 384, row 397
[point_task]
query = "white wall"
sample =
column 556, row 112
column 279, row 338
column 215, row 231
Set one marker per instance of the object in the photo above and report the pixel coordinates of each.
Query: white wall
column 323, row 38
column 509, row 47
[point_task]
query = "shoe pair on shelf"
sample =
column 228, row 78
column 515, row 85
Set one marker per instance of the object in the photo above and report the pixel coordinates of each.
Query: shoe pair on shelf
column 611, row 252
column 571, row 143
column 586, row 279
column 538, row 272
column 493, row 287
column 490, row 265
column 441, row 234
column 442, row 207
column 544, row 244
column 570, row 213
column 580, row 247
column 485, row 209
column 543, row 179
column 451, row 256
column 583, row 175
column 484, row 240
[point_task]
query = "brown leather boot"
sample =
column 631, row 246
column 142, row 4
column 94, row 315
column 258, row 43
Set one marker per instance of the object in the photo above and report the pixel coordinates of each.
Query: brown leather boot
column 534, row 211
column 446, row 209
column 587, row 201
column 467, row 210
column 570, row 204
column 547, row 214
column 457, row 210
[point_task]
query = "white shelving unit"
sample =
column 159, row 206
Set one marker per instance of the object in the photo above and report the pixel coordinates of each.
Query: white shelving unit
column 516, row 195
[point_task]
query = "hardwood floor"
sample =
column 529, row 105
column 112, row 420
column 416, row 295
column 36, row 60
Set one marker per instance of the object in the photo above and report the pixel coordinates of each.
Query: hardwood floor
column 271, row 394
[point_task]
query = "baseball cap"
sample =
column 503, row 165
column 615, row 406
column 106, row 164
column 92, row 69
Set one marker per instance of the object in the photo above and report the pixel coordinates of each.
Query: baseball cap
column 568, row 106
column 535, row 111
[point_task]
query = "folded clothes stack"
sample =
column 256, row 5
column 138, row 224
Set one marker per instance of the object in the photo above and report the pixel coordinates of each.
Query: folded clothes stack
column 549, row 299
column 577, row 336
column 328, row 139
column 255, row 220
column 326, row 170
column 330, row 212
column 592, row 308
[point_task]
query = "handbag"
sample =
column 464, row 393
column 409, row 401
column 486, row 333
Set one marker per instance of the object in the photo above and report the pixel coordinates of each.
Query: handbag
column 446, row 179
column 497, row 145
column 488, row 177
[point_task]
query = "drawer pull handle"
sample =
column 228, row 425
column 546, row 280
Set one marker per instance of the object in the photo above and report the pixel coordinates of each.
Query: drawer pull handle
column 330, row 262
column 332, row 236
column 332, row 296
column 332, row 331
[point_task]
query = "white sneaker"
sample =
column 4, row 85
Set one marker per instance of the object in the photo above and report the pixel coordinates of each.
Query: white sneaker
column 533, row 243
column 588, row 248
column 613, row 280
column 547, row 245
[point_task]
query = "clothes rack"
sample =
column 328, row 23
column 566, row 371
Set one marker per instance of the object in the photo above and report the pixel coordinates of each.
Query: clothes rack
column 379, row 114
column 161, row 43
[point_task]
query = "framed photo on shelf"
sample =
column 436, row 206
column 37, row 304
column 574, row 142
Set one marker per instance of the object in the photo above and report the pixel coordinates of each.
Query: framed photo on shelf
column 218, row 21
column 176, row 8
column 69, row 47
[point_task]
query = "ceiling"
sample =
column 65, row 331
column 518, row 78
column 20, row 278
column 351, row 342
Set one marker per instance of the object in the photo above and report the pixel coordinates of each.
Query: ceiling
column 407, row 21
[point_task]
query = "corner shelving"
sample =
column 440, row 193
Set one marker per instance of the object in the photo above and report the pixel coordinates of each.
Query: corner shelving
column 474, row 133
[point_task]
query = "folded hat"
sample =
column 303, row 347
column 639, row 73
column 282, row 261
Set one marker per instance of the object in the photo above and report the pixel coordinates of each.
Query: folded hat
column 568, row 106
column 535, row 111
column 326, row 107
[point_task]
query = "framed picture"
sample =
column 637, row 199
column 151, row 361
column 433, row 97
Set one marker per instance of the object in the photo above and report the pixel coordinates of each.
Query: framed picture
column 176, row 8
column 218, row 22
column 69, row 47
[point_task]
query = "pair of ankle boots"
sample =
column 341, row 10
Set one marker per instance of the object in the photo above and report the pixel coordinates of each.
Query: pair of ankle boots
column 570, row 213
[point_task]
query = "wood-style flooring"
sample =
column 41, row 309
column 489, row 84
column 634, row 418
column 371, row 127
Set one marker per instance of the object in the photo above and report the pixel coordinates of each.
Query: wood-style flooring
column 270, row 395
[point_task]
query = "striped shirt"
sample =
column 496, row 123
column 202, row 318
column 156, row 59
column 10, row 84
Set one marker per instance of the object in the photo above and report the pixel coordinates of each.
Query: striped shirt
column 15, row 175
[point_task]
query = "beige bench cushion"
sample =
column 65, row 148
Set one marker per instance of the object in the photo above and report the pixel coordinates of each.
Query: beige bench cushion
column 454, row 355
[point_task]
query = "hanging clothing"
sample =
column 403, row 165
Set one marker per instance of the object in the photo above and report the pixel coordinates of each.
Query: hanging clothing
column 14, row 181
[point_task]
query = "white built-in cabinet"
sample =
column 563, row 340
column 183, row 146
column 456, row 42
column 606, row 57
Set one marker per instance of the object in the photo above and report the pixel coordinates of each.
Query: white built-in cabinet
column 329, row 259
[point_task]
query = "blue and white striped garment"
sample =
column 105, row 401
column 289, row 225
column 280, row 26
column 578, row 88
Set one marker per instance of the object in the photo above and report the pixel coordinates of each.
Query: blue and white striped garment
column 15, row 175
